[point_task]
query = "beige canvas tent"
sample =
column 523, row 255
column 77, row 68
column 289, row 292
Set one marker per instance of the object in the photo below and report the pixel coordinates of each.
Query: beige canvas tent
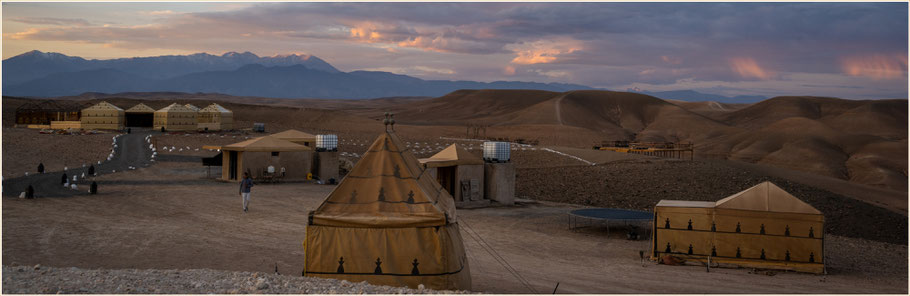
column 762, row 227
column 256, row 155
column 388, row 223
column 298, row 137
column 215, row 118
column 103, row 115
column 140, row 116
column 175, row 117
column 459, row 172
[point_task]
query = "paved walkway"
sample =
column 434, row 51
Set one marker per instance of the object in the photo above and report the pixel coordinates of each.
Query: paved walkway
column 132, row 150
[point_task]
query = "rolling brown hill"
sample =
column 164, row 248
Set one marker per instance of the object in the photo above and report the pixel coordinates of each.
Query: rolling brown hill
column 860, row 141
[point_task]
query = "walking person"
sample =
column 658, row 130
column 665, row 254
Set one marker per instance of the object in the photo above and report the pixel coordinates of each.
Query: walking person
column 245, row 186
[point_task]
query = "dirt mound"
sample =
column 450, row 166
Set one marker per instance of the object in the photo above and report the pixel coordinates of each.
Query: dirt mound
column 772, row 110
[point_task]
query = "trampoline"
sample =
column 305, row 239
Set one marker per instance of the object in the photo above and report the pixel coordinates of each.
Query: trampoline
column 606, row 216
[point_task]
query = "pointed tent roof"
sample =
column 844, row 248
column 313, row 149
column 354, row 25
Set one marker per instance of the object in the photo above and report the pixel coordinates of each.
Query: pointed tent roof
column 103, row 105
column 294, row 135
column 451, row 156
column 214, row 108
column 175, row 108
column 140, row 108
column 191, row 107
column 766, row 197
column 387, row 188
column 266, row 144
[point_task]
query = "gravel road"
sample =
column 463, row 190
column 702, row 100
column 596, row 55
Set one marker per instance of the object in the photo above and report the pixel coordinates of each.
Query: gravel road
column 49, row 280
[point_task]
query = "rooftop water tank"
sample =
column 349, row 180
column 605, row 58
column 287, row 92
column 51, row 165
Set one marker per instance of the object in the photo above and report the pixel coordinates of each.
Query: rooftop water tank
column 326, row 143
column 496, row 152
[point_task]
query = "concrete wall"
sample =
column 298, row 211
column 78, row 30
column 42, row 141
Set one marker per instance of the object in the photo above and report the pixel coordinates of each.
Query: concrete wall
column 467, row 173
column 499, row 179
column 327, row 163
column 297, row 164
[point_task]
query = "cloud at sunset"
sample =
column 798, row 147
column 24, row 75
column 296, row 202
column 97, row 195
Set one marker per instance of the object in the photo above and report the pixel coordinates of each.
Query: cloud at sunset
column 607, row 45
column 876, row 66
column 748, row 68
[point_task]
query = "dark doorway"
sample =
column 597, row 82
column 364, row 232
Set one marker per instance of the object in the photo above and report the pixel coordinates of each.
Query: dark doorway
column 446, row 177
column 140, row 119
column 232, row 165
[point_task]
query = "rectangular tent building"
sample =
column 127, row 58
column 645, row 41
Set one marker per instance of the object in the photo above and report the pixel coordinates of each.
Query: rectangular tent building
column 257, row 154
column 104, row 116
column 140, row 115
column 460, row 173
column 760, row 227
column 388, row 223
column 214, row 117
column 175, row 117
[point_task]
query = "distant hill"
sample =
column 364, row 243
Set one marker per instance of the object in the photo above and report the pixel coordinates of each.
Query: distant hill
column 42, row 74
column 36, row 64
column 694, row 96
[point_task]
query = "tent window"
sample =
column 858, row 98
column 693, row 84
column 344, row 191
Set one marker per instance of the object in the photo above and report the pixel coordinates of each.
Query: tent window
column 274, row 153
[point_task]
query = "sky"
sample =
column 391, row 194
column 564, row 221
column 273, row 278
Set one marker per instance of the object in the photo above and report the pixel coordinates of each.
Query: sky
column 846, row 50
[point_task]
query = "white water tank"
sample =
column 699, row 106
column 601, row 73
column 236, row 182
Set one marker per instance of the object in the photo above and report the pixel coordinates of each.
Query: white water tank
column 326, row 143
column 496, row 152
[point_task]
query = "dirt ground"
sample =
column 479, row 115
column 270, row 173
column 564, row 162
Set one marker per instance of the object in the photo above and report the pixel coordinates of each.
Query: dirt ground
column 168, row 216
column 24, row 149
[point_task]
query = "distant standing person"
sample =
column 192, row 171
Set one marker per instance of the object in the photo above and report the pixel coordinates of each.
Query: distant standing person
column 245, row 186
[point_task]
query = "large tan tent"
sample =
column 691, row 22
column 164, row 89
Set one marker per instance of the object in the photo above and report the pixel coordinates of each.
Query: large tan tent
column 298, row 137
column 140, row 116
column 103, row 115
column 762, row 227
column 388, row 223
column 459, row 172
column 257, row 154
column 175, row 117
column 215, row 118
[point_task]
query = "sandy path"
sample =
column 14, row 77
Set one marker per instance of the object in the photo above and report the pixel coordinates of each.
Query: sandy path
column 169, row 216
column 558, row 105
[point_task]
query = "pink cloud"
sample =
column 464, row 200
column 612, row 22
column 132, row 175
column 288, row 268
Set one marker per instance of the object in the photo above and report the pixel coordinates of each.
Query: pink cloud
column 748, row 68
column 877, row 66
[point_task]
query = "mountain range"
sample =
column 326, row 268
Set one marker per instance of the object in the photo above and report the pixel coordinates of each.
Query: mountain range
column 48, row 74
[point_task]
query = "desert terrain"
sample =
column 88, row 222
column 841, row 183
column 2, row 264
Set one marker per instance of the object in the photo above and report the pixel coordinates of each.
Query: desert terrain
column 168, row 215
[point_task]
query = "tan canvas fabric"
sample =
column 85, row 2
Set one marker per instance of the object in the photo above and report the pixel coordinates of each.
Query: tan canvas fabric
column 265, row 144
column 215, row 117
column 140, row 108
column 451, row 156
column 295, row 136
column 387, row 187
column 388, row 208
column 439, row 253
column 175, row 117
column 750, row 227
column 191, row 107
column 103, row 115
column 766, row 197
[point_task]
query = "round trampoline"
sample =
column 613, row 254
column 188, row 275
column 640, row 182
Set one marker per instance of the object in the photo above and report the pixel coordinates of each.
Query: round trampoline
column 606, row 216
column 612, row 214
